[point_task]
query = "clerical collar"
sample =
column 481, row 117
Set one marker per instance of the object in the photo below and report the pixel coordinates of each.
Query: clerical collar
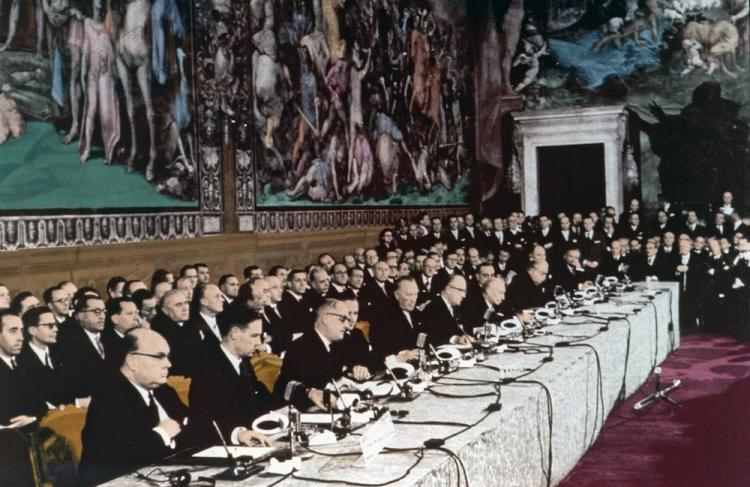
column 234, row 360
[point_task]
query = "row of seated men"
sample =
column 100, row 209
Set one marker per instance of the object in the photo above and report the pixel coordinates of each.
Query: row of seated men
column 443, row 293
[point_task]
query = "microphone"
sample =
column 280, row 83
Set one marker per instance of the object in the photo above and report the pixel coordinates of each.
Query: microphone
column 238, row 470
column 405, row 390
column 291, row 388
column 421, row 340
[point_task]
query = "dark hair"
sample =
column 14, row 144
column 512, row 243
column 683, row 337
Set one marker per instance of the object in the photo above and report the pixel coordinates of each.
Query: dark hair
column 114, row 282
column 274, row 271
column 15, row 305
column 224, row 278
column 235, row 316
column 82, row 302
column 159, row 276
column 198, row 293
column 47, row 296
column 140, row 296
column 397, row 283
column 186, row 268
column 248, row 271
column 3, row 314
column 84, row 292
column 245, row 293
column 114, row 306
column 200, row 264
column 31, row 317
column 126, row 290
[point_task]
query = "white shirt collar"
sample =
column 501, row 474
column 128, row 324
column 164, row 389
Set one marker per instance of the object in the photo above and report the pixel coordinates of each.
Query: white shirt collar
column 146, row 396
column 338, row 288
column 235, row 361
column 93, row 338
column 39, row 352
column 7, row 360
column 227, row 298
column 447, row 304
column 326, row 341
column 296, row 296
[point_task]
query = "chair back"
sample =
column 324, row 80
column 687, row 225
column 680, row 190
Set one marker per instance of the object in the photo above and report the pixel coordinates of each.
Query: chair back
column 364, row 326
column 181, row 385
column 267, row 368
column 57, row 446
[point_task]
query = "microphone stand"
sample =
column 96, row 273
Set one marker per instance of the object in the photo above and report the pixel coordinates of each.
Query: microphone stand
column 405, row 389
column 238, row 470
column 659, row 392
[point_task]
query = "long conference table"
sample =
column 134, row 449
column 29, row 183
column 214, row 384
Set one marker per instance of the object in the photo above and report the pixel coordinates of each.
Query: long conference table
column 549, row 417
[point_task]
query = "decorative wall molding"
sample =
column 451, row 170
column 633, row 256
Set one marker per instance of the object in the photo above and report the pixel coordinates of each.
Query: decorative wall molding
column 69, row 230
column 605, row 125
column 312, row 220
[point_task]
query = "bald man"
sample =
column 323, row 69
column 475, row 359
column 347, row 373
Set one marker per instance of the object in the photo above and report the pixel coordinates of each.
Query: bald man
column 137, row 419
column 441, row 317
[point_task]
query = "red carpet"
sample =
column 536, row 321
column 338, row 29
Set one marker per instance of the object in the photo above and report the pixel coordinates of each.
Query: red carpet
column 705, row 443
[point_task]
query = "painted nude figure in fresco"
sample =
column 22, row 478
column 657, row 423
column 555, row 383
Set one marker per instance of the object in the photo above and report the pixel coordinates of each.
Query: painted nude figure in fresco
column 98, row 69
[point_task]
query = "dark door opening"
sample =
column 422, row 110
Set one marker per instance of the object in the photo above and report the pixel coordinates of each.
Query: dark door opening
column 571, row 178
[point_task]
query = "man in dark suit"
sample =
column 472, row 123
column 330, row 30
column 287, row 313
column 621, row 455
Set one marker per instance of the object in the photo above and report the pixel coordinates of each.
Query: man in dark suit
column 470, row 232
column 377, row 294
column 136, row 419
column 454, row 237
column 592, row 244
column 311, row 361
column 440, row 316
column 651, row 266
column 36, row 359
column 394, row 331
column 226, row 389
column 526, row 290
column 292, row 306
column 690, row 272
column 435, row 235
column 58, row 301
column 354, row 349
column 123, row 316
column 340, row 284
column 229, row 285
column 80, row 351
column 571, row 274
column 720, row 229
column 277, row 329
column 18, row 409
column 692, row 227
column 613, row 263
column 633, row 229
column 171, row 323
column 451, row 268
column 544, row 236
column 207, row 303
column 492, row 296
column 427, row 282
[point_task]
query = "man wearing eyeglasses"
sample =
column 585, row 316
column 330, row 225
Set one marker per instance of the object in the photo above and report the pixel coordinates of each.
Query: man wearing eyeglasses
column 36, row 359
column 136, row 419
column 311, row 361
column 441, row 320
column 81, row 355
column 339, row 285
column 58, row 301
column 226, row 389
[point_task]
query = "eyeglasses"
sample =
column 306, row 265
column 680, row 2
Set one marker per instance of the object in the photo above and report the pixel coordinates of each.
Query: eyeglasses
column 157, row 356
column 342, row 318
column 97, row 312
column 458, row 289
column 49, row 325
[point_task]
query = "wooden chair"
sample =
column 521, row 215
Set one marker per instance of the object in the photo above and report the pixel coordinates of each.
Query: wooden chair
column 181, row 385
column 267, row 368
column 57, row 446
column 364, row 326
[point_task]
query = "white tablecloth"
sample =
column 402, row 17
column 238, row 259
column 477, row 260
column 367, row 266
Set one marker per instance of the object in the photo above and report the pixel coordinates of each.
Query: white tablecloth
column 512, row 447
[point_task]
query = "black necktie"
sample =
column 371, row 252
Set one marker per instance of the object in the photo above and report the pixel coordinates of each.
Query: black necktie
column 13, row 364
column 245, row 372
column 153, row 409
column 47, row 361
